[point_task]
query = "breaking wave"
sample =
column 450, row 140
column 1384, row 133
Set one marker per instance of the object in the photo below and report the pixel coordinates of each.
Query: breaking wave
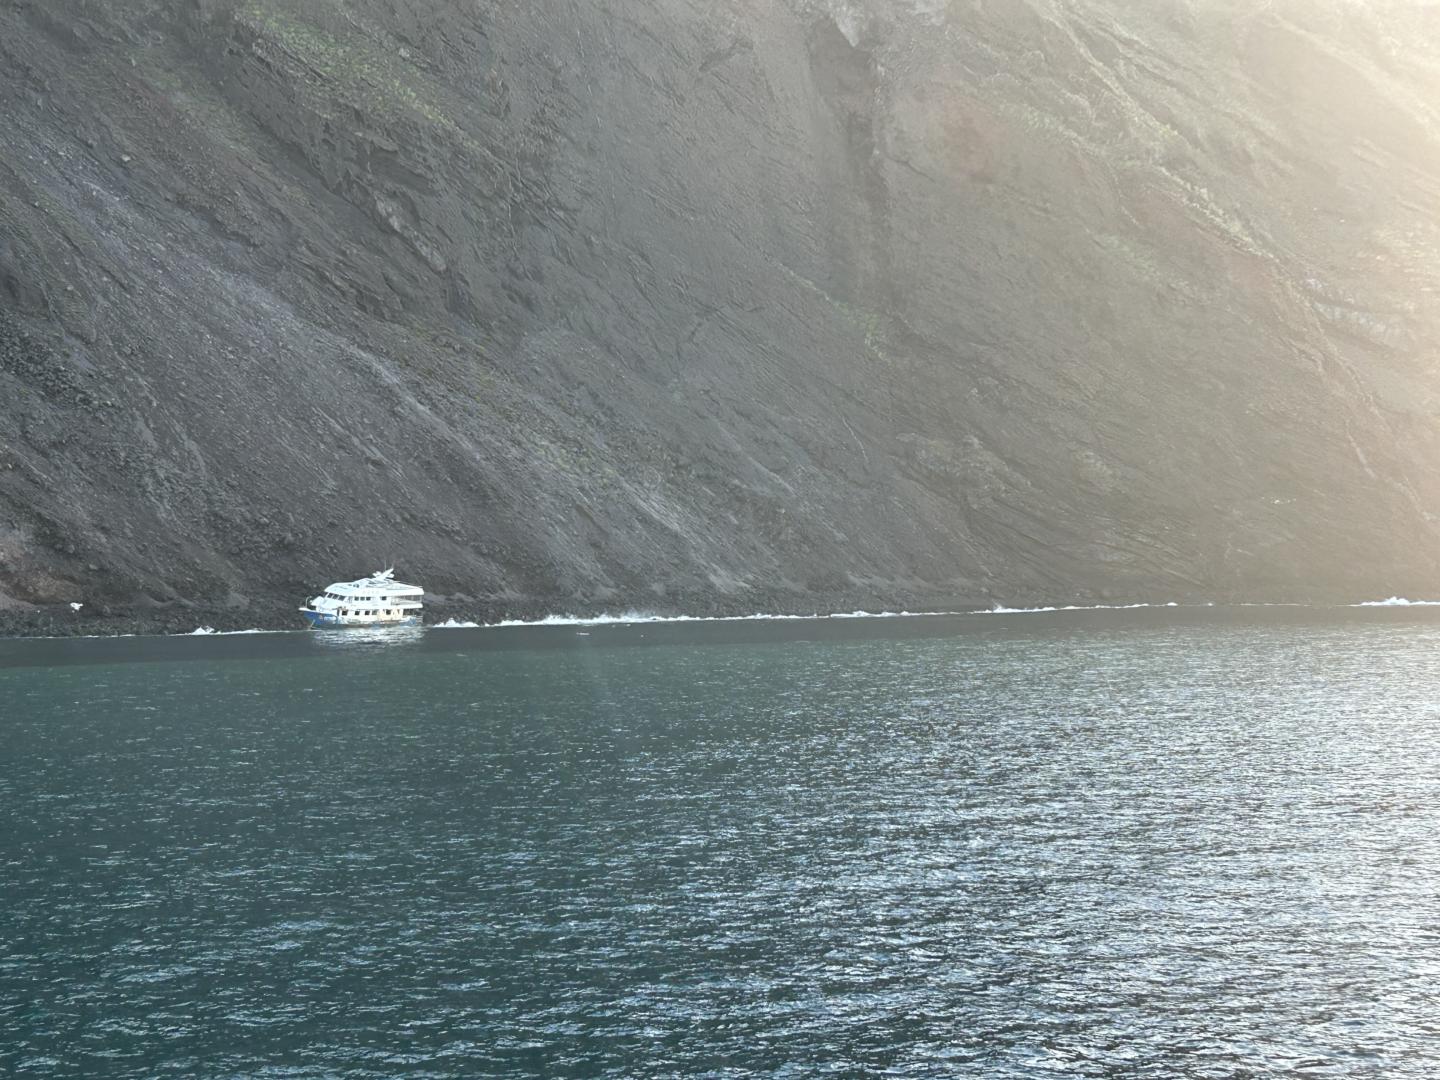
column 632, row 617
column 1001, row 610
column 207, row 630
column 1397, row 601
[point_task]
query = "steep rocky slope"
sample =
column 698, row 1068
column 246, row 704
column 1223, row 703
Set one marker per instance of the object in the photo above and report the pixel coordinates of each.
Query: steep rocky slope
column 671, row 304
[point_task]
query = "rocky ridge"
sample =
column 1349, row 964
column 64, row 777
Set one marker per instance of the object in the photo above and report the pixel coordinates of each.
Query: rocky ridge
column 774, row 305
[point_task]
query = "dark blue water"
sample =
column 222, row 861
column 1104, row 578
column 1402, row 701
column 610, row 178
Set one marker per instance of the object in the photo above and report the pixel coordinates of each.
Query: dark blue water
column 1167, row 846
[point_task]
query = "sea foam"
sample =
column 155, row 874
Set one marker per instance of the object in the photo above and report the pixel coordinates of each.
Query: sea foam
column 627, row 618
column 1397, row 601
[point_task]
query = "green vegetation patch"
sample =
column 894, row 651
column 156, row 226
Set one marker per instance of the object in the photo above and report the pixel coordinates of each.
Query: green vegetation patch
column 367, row 73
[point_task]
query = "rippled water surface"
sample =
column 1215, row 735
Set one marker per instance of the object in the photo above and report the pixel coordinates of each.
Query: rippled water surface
column 1044, row 847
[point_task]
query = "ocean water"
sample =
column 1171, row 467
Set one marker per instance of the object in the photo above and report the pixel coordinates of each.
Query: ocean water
column 1129, row 844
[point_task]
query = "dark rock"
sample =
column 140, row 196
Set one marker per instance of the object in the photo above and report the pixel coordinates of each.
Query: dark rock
column 714, row 307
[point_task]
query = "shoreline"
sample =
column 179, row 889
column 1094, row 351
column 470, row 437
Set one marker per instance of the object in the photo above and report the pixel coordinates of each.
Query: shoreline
column 54, row 622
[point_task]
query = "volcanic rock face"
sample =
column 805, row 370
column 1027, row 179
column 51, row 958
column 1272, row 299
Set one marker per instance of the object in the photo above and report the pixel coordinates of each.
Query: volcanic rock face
column 717, row 306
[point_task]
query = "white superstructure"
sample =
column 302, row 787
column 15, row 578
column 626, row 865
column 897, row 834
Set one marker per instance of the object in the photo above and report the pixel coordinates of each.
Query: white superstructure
column 378, row 600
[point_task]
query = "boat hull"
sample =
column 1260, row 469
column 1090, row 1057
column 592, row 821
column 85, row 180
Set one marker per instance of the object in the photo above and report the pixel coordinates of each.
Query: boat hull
column 321, row 620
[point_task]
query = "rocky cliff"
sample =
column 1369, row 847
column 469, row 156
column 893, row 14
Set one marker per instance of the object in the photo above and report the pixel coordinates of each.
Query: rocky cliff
column 682, row 305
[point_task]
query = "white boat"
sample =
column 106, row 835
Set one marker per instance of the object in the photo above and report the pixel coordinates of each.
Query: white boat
column 378, row 600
